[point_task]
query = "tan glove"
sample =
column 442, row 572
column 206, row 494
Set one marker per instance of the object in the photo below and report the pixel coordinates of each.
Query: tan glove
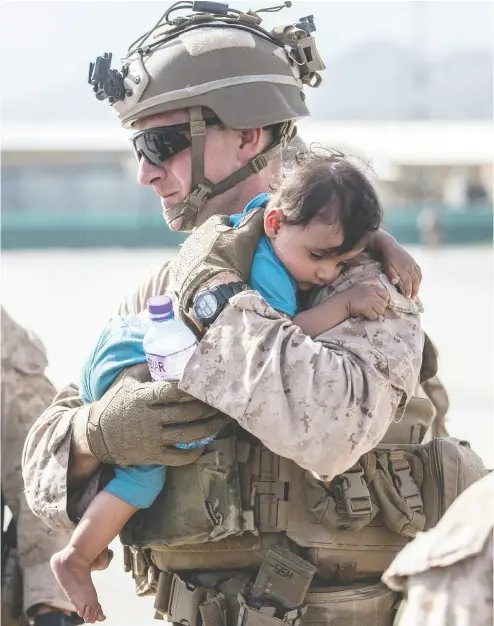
column 137, row 422
column 214, row 254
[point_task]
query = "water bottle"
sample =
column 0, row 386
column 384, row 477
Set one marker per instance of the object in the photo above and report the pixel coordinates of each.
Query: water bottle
column 168, row 343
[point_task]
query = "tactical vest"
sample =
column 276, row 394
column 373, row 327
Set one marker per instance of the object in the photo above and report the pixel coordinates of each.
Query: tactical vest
column 239, row 501
column 244, row 537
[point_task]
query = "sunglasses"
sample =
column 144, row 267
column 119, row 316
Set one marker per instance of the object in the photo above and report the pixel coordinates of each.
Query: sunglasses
column 158, row 144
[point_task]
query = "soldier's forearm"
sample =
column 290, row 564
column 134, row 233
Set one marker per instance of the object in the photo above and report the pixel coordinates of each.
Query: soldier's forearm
column 82, row 463
column 318, row 404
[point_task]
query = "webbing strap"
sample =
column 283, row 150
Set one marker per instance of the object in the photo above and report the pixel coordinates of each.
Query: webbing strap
column 404, row 482
column 197, row 137
column 355, row 492
column 203, row 189
column 213, row 611
column 409, row 491
column 270, row 490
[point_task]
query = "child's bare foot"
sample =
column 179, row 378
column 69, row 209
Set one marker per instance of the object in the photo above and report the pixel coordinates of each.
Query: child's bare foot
column 74, row 576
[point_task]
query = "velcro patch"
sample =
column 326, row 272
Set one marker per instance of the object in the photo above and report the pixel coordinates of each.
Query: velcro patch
column 204, row 40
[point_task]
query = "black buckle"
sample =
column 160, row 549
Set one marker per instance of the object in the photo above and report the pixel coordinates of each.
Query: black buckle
column 259, row 163
column 198, row 197
column 404, row 483
column 185, row 599
column 355, row 493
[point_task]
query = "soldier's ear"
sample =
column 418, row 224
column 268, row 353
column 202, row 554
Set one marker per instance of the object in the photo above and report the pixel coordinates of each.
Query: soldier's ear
column 251, row 144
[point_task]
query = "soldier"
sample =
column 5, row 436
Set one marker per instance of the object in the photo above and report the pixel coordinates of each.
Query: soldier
column 292, row 471
column 446, row 573
column 28, row 543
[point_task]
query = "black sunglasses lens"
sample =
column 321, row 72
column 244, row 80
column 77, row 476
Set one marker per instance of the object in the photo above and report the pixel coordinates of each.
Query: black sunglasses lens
column 158, row 146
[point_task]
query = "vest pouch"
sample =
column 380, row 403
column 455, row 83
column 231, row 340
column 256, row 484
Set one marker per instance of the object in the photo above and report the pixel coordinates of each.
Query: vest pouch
column 199, row 503
column 372, row 604
column 356, row 555
column 244, row 552
column 441, row 469
column 352, row 529
column 411, row 422
column 346, row 539
column 450, row 466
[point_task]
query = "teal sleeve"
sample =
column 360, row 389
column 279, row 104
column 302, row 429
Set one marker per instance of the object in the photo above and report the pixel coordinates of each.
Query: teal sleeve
column 138, row 485
column 118, row 346
column 270, row 278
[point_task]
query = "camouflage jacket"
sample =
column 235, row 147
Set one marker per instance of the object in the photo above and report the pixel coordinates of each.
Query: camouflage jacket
column 322, row 403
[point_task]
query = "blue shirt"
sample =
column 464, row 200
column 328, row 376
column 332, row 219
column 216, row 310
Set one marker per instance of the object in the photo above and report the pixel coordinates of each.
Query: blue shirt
column 268, row 275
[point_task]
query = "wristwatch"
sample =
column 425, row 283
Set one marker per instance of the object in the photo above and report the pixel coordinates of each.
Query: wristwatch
column 209, row 303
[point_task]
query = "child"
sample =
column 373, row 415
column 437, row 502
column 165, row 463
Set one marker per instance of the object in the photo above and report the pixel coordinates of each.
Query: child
column 323, row 215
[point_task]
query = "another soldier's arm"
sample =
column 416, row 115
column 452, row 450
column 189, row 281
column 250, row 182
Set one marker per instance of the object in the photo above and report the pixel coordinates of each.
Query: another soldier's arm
column 320, row 403
column 26, row 391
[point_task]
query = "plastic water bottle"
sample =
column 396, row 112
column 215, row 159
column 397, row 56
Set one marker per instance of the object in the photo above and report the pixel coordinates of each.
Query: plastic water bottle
column 168, row 343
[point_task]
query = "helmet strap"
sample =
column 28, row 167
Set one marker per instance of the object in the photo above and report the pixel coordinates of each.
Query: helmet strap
column 202, row 189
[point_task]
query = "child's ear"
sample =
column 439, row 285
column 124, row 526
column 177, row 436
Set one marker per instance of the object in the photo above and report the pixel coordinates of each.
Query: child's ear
column 273, row 218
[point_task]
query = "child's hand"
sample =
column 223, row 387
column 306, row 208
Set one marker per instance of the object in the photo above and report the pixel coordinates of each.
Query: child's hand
column 399, row 265
column 369, row 299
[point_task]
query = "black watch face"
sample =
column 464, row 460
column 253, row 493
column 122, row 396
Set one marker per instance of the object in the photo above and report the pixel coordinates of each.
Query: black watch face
column 206, row 305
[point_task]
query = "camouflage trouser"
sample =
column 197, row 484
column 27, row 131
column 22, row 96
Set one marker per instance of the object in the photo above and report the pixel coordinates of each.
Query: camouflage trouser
column 24, row 397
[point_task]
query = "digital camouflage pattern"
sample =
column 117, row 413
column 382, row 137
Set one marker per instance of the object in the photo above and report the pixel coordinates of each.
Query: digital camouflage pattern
column 446, row 573
column 322, row 421
column 321, row 403
column 26, row 392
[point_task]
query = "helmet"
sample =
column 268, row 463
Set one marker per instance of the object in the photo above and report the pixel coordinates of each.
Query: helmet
column 221, row 59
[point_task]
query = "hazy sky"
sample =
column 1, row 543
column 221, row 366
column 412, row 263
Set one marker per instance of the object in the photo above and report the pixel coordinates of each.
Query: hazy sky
column 47, row 45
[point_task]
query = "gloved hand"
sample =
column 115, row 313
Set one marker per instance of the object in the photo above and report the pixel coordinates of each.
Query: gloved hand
column 215, row 253
column 138, row 422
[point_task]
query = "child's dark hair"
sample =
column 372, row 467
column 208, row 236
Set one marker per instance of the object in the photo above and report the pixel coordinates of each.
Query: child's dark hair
column 325, row 186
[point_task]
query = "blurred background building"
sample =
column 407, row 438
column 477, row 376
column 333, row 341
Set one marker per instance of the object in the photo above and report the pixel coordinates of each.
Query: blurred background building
column 408, row 88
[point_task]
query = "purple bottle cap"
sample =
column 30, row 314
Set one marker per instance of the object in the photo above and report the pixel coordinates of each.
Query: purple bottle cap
column 160, row 306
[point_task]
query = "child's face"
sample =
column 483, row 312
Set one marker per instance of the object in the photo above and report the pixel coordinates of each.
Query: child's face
column 302, row 249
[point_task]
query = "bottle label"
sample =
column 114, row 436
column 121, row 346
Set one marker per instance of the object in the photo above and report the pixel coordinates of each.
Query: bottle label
column 169, row 367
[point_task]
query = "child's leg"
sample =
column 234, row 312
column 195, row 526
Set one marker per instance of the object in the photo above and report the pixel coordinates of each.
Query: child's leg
column 101, row 523
column 133, row 488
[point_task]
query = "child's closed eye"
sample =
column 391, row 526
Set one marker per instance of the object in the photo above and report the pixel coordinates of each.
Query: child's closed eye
column 317, row 256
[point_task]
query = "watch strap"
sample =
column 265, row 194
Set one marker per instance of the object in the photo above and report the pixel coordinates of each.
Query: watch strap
column 228, row 290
